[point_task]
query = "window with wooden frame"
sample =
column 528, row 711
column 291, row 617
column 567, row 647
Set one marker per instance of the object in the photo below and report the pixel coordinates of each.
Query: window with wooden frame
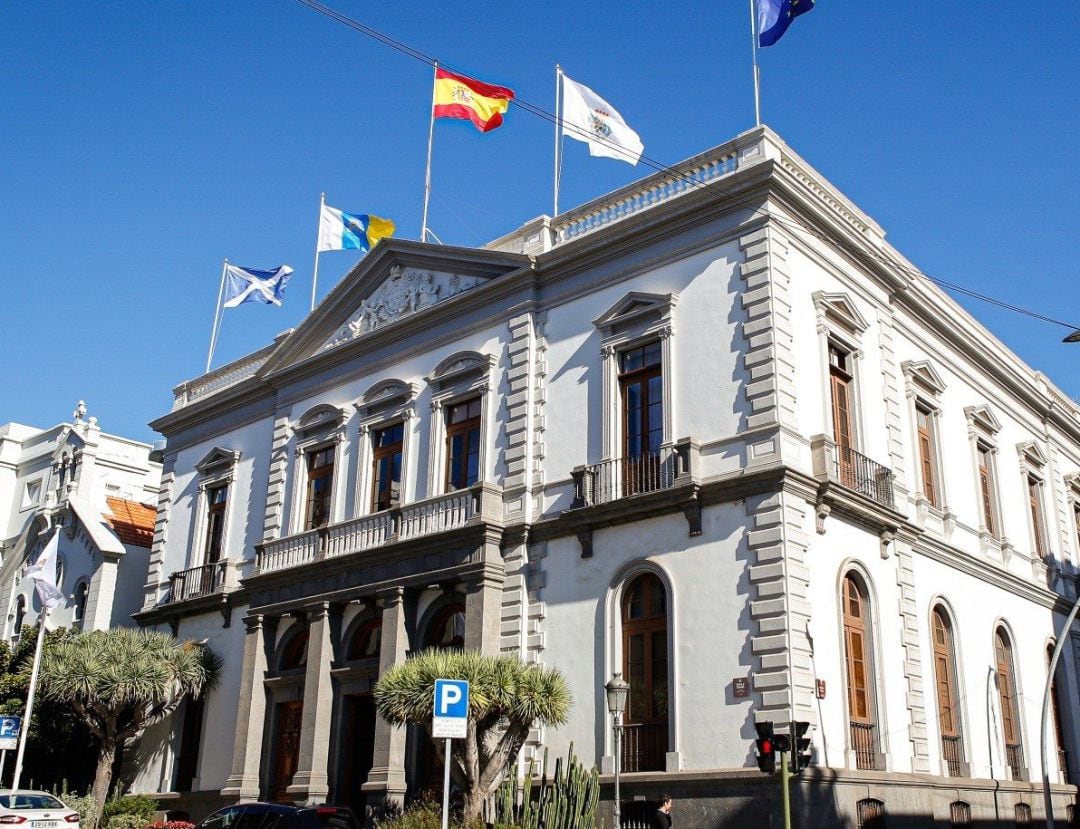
column 387, row 444
column 927, row 446
column 1010, row 715
column 945, row 688
column 841, row 389
column 217, row 499
column 1038, row 522
column 463, row 435
column 985, row 462
column 859, row 670
column 641, row 392
column 1055, row 711
column 959, row 814
column 645, row 666
column 320, row 485
column 870, row 814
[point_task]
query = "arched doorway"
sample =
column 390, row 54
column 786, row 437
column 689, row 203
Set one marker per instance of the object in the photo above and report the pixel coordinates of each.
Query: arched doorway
column 356, row 741
column 645, row 666
column 288, row 713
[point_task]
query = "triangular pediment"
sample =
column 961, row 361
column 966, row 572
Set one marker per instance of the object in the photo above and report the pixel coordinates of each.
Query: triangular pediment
column 217, row 458
column 397, row 281
column 983, row 417
column 636, row 306
column 1032, row 452
column 840, row 310
column 67, row 442
column 923, row 374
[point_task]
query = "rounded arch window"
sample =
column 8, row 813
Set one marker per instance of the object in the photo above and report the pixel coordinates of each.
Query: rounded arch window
column 78, row 610
column 364, row 643
column 20, row 615
column 859, row 670
column 1010, row 714
column 294, row 654
column 945, row 687
column 645, row 666
column 447, row 628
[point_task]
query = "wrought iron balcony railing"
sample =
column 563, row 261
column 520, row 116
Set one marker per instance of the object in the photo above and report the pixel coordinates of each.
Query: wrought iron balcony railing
column 195, row 582
column 454, row 510
column 618, row 478
column 852, row 470
column 863, row 744
column 954, row 755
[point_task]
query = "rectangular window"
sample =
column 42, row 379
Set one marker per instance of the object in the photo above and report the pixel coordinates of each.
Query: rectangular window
column 320, row 481
column 463, row 444
column 642, row 388
column 986, row 487
column 386, row 472
column 1035, row 502
column 927, row 451
column 216, row 499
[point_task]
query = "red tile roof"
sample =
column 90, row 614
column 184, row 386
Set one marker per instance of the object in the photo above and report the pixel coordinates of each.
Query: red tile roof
column 131, row 521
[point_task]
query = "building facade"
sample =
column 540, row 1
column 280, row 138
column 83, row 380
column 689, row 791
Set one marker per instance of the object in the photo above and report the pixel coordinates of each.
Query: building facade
column 103, row 490
column 710, row 427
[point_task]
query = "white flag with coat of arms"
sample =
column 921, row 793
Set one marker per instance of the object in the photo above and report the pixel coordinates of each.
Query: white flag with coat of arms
column 588, row 117
column 43, row 574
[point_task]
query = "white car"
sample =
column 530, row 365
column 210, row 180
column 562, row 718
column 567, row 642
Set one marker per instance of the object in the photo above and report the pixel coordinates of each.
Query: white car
column 35, row 810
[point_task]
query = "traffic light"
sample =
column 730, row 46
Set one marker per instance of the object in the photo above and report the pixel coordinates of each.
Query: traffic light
column 766, row 747
column 800, row 755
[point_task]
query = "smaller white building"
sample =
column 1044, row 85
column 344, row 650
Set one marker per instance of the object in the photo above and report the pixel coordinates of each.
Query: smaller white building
column 101, row 489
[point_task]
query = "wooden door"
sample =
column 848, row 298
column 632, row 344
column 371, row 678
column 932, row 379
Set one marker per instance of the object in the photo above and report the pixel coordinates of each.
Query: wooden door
column 286, row 747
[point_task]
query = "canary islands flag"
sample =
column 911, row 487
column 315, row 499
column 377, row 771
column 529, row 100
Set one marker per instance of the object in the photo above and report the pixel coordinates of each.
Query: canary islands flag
column 774, row 17
column 339, row 230
column 457, row 96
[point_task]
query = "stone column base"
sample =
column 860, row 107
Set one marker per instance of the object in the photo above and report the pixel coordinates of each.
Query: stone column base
column 309, row 789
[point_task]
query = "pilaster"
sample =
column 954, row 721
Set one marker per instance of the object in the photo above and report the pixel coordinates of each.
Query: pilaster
column 279, row 468
column 310, row 784
column 894, row 400
column 483, row 609
column 243, row 783
column 154, row 576
column 913, row 671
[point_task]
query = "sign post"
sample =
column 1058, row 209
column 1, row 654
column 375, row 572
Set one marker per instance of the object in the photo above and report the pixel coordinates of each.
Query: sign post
column 9, row 739
column 450, row 721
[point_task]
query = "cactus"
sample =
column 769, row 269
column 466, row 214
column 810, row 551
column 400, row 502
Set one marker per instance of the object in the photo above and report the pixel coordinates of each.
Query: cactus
column 568, row 802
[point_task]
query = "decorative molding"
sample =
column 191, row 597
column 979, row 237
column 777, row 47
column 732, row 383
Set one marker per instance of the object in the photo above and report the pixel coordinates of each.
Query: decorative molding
column 218, row 461
column 462, row 367
column 982, row 417
column 386, row 395
column 913, row 671
column 319, row 419
column 404, row 292
column 636, row 309
column 839, row 310
column 922, row 374
column 1031, row 455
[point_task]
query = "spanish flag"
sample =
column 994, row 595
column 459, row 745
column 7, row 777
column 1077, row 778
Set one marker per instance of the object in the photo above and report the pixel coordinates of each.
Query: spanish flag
column 457, row 96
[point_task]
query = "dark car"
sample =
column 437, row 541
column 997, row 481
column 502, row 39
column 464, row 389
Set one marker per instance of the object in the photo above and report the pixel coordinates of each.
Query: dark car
column 280, row 816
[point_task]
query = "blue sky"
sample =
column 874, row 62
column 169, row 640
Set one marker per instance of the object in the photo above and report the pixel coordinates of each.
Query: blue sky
column 144, row 142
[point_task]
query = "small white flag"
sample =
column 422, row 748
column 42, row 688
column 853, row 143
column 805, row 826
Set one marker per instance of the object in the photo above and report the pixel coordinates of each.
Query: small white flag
column 588, row 117
column 43, row 573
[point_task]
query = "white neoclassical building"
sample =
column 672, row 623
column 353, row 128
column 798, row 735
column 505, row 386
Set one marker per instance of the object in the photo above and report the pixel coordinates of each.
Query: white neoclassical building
column 706, row 429
column 102, row 489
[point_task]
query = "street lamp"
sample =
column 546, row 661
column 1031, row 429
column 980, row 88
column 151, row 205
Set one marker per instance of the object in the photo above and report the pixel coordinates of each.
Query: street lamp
column 617, row 690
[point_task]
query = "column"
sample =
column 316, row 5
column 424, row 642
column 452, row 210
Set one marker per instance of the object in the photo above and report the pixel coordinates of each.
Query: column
column 310, row 785
column 483, row 609
column 386, row 780
column 243, row 782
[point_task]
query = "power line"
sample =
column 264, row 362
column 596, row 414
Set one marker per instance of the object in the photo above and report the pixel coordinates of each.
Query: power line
column 659, row 166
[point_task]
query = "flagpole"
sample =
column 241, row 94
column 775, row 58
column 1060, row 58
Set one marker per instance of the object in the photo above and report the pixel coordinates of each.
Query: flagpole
column 24, row 731
column 217, row 316
column 757, row 72
column 318, row 236
column 430, row 141
column 558, row 124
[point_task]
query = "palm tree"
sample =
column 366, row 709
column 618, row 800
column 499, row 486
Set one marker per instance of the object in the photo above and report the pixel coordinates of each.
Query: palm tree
column 122, row 681
column 506, row 698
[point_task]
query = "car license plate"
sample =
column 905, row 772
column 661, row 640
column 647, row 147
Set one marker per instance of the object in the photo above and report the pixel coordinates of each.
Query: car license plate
column 44, row 824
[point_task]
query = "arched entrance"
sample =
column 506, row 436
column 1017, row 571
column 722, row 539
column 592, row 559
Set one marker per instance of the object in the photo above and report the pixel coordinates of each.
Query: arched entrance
column 288, row 713
column 356, row 732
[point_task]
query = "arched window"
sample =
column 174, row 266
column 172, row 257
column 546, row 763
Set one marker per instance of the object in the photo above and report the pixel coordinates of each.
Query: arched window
column 1023, row 814
column 857, row 656
column 945, row 686
column 365, row 642
column 1059, row 734
column 294, row 654
column 20, row 617
column 1010, row 715
column 78, row 610
column 959, row 814
column 645, row 666
column 447, row 628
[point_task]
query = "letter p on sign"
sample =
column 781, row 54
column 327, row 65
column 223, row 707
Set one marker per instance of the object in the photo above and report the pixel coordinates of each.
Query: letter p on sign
column 451, row 711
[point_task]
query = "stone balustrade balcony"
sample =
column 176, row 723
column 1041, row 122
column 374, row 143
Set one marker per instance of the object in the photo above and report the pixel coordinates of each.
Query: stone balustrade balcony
column 480, row 503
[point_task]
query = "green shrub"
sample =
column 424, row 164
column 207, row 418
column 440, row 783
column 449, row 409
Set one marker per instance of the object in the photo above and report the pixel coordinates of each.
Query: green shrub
column 140, row 806
column 427, row 814
column 127, row 821
column 84, row 804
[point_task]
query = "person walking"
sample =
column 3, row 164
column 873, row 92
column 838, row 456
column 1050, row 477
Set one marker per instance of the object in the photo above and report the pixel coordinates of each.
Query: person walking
column 662, row 818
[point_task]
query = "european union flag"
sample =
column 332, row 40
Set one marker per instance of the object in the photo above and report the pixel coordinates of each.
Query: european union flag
column 774, row 17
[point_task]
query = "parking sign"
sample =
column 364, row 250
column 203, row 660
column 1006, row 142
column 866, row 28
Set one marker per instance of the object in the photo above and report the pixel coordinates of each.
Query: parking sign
column 9, row 733
column 451, row 715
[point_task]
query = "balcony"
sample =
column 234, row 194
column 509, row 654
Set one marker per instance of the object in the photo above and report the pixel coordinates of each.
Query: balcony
column 453, row 511
column 197, row 582
column 863, row 743
column 644, row 746
column 852, row 470
column 611, row 480
column 953, row 752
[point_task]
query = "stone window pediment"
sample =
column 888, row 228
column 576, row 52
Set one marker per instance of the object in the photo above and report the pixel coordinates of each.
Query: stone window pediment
column 387, row 396
column 461, row 369
column 922, row 376
column 1031, row 455
column 637, row 310
column 218, row 460
column 982, row 417
column 320, row 420
column 840, row 311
